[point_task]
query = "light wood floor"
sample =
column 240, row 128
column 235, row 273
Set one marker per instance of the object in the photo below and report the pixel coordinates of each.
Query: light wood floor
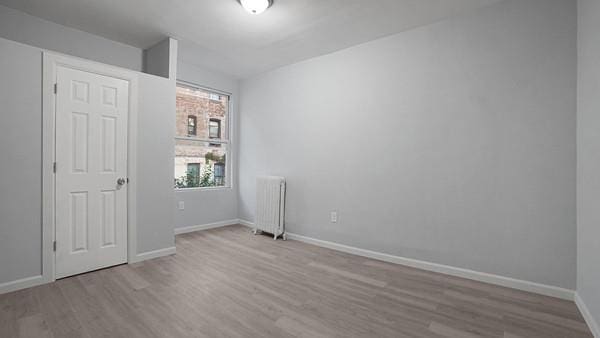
column 227, row 283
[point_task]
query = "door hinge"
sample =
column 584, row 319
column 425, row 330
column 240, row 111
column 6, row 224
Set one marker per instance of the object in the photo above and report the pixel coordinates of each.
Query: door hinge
column 54, row 167
column 55, row 88
column 54, row 246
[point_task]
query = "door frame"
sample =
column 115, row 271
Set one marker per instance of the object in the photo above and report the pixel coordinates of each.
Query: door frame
column 51, row 61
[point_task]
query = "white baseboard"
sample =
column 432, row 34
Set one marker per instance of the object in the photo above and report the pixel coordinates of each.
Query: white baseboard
column 201, row 227
column 245, row 223
column 587, row 315
column 39, row 280
column 154, row 254
column 22, row 284
column 513, row 283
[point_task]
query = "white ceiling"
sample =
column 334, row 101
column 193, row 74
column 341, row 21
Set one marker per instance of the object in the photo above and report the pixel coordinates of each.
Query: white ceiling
column 220, row 35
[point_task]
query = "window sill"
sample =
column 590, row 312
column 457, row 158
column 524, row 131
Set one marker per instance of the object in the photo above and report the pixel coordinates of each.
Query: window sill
column 203, row 189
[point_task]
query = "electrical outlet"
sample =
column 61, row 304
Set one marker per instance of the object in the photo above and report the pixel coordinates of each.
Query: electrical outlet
column 334, row 217
column 181, row 205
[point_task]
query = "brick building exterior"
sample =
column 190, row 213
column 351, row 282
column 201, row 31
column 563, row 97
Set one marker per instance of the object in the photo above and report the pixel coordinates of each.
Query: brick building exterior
column 204, row 106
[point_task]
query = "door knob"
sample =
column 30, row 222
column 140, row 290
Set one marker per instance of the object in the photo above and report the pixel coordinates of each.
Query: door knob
column 121, row 181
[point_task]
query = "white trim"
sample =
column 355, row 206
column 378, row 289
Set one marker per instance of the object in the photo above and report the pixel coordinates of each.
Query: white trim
column 205, row 88
column 177, row 190
column 246, row 223
column 518, row 284
column 48, row 129
column 205, row 140
column 194, row 228
column 132, row 137
column 587, row 315
column 23, row 283
column 50, row 63
column 513, row 283
column 154, row 254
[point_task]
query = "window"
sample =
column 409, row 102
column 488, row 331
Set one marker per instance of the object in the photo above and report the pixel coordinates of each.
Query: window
column 214, row 131
column 214, row 128
column 193, row 172
column 201, row 139
column 191, row 125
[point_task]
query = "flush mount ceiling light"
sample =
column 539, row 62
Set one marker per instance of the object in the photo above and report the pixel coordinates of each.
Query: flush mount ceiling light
column 256, row 6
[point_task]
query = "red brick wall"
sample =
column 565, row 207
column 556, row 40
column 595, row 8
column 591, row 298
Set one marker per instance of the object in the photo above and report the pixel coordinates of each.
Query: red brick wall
column 197, row 103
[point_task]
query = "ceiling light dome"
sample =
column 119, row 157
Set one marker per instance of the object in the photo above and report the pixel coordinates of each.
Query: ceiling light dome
column 256, row 6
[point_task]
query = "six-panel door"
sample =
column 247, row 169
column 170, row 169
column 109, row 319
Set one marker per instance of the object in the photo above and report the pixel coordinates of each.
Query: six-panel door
column 91, row 156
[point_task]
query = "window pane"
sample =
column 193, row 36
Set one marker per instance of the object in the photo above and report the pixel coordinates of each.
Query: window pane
column 193, row 170
column 214, row 128
column 205, row 107
column 199, row 164
column 192, row 125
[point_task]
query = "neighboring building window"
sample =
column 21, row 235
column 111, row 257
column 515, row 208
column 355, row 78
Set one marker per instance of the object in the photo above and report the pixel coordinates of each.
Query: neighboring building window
column 214, row 131
column 202, row 138
column 219, row 173
column 192, row 125
column 214, row 128
column 193, row 173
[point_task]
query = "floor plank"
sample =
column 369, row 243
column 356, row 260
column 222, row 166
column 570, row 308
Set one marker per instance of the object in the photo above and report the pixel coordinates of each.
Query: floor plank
column 228, row 283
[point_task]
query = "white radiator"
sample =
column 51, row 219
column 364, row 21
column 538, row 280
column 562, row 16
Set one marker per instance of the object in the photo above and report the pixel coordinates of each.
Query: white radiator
column 270, row 206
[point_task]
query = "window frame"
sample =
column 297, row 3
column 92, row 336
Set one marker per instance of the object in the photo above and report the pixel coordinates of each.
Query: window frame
column 227, row 142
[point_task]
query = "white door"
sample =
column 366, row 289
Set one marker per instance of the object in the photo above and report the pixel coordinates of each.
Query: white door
column 91, row 170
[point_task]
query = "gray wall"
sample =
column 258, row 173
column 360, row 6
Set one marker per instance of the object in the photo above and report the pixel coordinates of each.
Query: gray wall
column 209, row 206
column 452, row 143
column 21, row 161
column 21, row 154
column 31, row 30
column 156, row 58
column 155, row 142
column 588, row 161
